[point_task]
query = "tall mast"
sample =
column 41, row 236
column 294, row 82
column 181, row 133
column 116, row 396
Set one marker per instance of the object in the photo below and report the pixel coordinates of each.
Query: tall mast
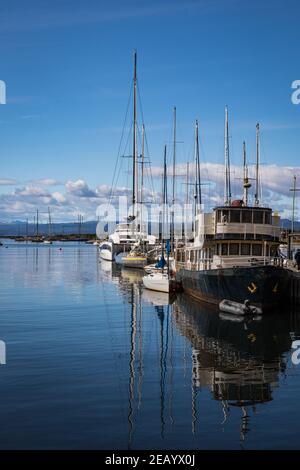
column 142, row 180
column 187, row 194
column 198, row 175
column 187, row 182
column 174, row 178
column 197, row 193
column 49, row 222
column 294, row 200
column 257, row 182
column 227, row 192
column 164, row 199
column 134, row 176
column 37, row 223
column 246, row 183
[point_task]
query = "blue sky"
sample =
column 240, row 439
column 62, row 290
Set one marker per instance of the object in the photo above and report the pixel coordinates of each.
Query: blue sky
column 68, row 71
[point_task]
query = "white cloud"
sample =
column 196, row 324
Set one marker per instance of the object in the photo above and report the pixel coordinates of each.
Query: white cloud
column 80, row 188
column 46, row 182
column 60, row 198
column 7, row 182
column 79, row 197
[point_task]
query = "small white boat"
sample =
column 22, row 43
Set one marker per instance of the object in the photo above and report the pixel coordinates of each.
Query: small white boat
column 47, row 242
column 157, row 281
column 106, row 251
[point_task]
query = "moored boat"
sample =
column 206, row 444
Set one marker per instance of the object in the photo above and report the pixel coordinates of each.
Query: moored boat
column 157, row 281
column 106, row 251
column 235, row 253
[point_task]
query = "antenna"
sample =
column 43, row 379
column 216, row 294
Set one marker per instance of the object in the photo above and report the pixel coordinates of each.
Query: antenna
column 257, row 176
column 294, row 190
column 227, row 191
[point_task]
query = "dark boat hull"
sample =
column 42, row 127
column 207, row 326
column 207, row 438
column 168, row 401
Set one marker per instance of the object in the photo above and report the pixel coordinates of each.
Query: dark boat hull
column 264, row 286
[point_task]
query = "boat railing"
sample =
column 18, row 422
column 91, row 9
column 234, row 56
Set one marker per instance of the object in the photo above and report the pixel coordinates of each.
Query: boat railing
column 256, row 230
column 230, row 262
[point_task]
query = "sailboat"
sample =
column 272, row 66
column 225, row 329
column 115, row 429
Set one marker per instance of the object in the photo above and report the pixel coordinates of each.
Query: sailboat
column 136, row 258
column 37, row 238
column 159, row 280
column 130, row 235
column 48, row 240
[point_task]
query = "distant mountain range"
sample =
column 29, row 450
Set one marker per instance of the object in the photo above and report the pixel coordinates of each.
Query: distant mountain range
column 286, row 223
column 18, row 228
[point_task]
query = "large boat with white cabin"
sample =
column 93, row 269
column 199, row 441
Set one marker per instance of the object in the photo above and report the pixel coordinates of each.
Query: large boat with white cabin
column 123, row 239
column 234, row 256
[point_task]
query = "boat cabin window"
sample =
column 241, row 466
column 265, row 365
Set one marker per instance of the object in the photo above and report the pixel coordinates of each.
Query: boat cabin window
column 258, row 217
column 273, row 250
column 246, row 217
column 268, row 218
column 191, row 256
column 245, row 249
column 219, row 216
column 233, row 248
column 106, row 247
column 224, row 249
column 235, row 216
column 225, row 216
column 256, row 249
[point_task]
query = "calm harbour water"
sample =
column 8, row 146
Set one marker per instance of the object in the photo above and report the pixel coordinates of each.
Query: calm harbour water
column 95, row 362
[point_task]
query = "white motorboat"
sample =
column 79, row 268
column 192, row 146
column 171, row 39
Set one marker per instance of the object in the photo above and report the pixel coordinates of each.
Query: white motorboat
column 106, row 251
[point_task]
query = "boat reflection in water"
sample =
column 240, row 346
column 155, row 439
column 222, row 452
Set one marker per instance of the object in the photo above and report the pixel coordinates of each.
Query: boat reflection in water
column 240, row 362
column 167, row 351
